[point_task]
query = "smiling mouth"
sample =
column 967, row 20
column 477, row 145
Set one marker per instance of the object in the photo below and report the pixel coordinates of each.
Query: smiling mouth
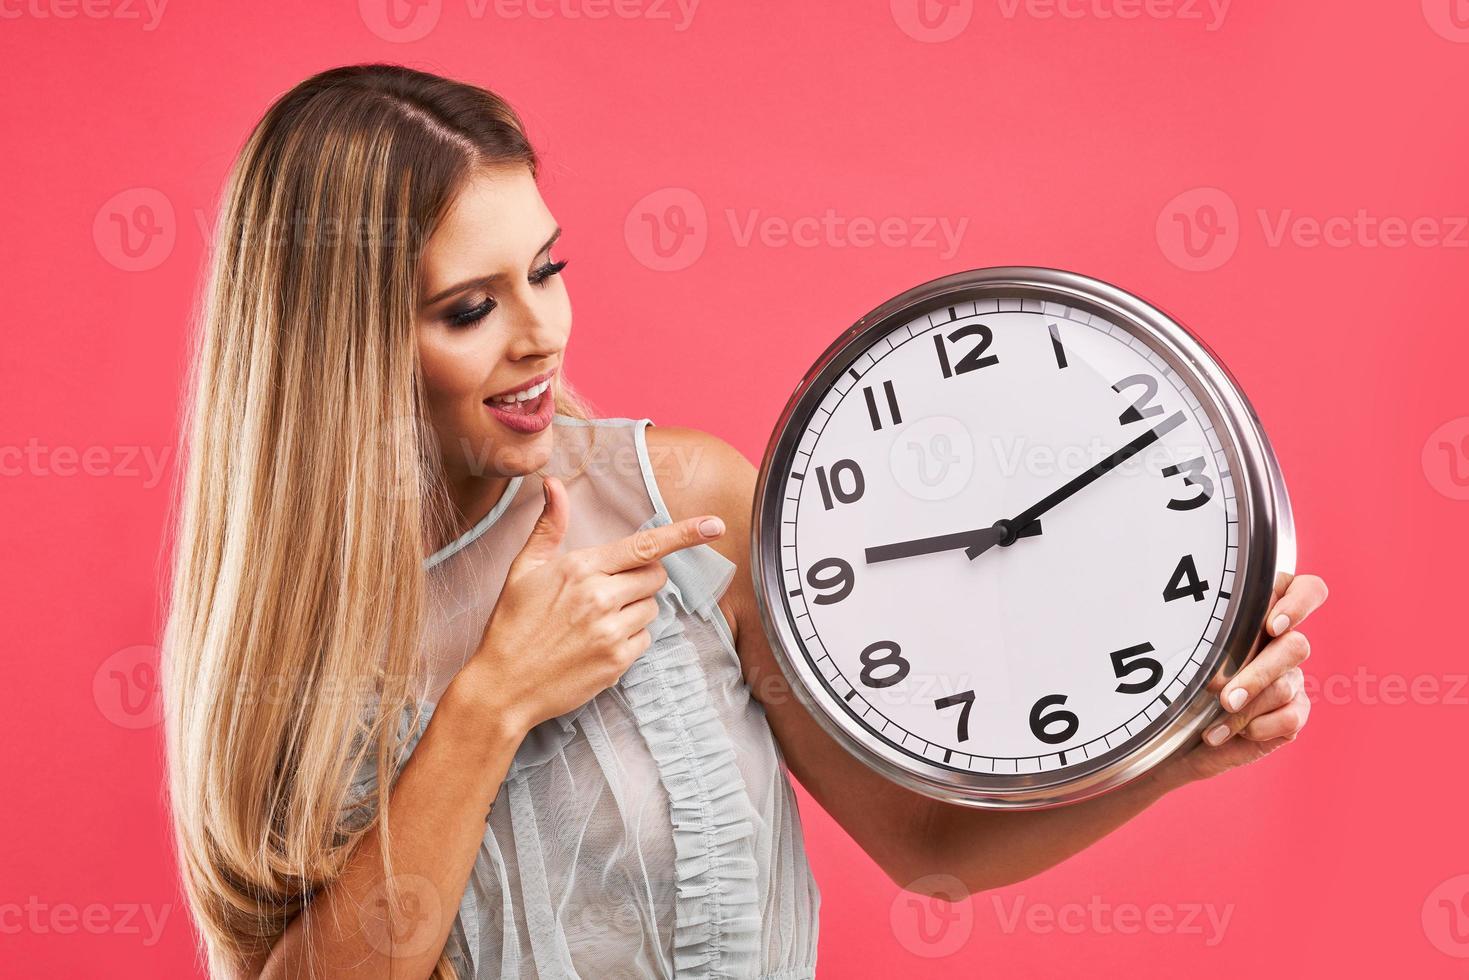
column 524, row 399
column 528, row 409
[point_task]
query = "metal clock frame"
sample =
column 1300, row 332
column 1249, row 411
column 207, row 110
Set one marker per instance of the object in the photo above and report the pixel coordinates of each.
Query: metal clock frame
column 1266, row 551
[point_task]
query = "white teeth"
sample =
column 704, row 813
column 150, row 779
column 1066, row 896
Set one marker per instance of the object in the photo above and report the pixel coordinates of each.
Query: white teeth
column 523, row 396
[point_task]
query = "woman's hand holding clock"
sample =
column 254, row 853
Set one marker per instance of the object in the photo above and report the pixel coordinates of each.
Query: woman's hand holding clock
column 1266, row 701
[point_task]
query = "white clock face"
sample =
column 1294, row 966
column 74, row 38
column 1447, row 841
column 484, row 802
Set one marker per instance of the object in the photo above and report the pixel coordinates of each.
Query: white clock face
column 1045, row 642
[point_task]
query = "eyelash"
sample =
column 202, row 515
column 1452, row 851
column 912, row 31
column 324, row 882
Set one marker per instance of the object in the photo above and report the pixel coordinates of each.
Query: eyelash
column 474, row 314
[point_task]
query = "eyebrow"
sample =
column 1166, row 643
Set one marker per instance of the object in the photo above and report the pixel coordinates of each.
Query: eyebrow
column 483, row 280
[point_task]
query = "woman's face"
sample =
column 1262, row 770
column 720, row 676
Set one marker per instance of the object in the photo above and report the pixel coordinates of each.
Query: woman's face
column 495, row 319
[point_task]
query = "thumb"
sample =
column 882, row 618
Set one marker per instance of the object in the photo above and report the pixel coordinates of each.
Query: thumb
column 550, row 527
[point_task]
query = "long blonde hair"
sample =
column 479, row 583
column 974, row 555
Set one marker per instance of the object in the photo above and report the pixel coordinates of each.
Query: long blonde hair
column 312, row 489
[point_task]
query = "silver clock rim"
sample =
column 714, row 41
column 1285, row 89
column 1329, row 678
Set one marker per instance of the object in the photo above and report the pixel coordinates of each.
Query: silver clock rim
column 1266, row 538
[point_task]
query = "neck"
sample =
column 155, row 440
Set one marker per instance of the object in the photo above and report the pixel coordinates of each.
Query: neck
column 471, row 497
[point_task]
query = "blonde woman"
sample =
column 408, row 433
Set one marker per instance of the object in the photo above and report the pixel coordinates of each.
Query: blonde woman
column 458, row 680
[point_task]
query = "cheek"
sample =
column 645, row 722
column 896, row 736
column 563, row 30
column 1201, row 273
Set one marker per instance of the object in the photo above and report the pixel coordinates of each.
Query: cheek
column 453, row 374
column 440, row 372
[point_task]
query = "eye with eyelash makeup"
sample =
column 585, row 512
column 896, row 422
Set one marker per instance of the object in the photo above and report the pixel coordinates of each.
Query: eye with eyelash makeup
column 546, row 271
column 476, row 313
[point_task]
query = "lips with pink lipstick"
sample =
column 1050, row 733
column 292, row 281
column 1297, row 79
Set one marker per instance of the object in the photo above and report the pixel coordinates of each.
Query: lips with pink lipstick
column 528, row 407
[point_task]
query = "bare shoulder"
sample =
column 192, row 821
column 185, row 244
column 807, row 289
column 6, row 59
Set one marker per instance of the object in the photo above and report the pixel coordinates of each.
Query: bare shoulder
column 699, row 473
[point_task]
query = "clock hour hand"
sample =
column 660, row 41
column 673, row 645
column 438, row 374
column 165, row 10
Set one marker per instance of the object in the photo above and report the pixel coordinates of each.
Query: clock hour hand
column 982, row 538
column 1005, row 533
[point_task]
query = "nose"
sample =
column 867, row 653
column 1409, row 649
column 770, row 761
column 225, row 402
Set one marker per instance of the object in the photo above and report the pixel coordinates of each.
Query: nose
column 537, row 333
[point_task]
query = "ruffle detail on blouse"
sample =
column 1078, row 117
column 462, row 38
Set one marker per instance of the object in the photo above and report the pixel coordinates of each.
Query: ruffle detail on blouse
column 717, row 921
column 697, row 576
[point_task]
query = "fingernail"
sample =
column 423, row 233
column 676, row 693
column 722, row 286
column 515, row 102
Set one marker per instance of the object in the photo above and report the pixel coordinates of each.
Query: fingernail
column 1235, row 699
column 711, row 527
column 1279, row 624
column 1217, row 734
column 546, row 492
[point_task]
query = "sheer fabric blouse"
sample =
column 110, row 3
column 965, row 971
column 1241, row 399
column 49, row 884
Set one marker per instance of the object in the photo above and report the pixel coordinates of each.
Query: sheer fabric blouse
column 651, row 832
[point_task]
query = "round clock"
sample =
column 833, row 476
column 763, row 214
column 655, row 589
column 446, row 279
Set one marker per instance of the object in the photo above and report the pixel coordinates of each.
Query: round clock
column 1009, row 528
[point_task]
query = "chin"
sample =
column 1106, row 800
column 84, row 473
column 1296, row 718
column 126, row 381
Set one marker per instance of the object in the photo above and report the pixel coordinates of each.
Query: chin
column 534, row 454
column 511, row 454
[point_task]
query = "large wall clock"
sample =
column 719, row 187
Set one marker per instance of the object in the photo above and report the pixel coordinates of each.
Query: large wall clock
column 1008, row 528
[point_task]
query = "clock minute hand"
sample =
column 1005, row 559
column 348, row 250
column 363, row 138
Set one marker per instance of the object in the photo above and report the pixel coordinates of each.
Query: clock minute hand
column 1084, row 479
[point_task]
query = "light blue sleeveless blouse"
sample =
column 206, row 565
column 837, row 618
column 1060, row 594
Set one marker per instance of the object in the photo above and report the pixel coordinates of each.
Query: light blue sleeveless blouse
column 652, row 832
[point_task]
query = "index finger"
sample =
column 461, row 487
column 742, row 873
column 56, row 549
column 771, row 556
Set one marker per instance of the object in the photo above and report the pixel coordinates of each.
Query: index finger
column 651, row 543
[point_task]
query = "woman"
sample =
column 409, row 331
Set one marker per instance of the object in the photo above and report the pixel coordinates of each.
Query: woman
column 405, row 550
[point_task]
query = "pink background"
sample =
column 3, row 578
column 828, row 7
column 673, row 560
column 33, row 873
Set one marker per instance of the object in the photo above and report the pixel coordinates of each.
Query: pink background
column 1089, row 135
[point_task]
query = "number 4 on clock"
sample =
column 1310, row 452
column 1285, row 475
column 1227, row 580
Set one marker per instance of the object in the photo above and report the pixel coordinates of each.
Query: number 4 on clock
column 1185, row 581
